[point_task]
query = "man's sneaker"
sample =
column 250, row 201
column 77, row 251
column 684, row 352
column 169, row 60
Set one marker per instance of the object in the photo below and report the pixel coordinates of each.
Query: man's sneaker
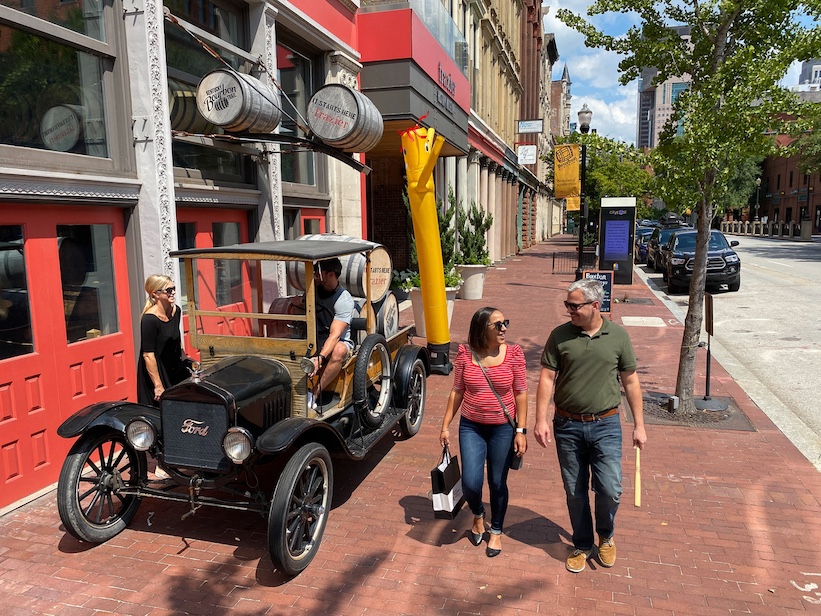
column 309, row 399
column 577, row 561
column 607, row 552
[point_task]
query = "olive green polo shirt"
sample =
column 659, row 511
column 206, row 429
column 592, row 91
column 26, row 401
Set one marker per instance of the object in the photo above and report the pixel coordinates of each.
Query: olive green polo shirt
column 587, row 367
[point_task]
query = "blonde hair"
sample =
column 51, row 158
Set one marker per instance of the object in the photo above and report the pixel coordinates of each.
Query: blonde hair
column 155, row 282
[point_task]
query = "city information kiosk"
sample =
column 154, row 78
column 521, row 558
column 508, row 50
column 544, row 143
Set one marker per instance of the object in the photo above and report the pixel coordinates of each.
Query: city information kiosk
column 617, row 228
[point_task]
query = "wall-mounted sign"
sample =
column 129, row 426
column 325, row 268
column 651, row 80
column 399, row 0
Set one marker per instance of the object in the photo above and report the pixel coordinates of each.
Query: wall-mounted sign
column 344, row 118
column 528, row 154
column 446, row 80
column 530, row 126
column 238, row 102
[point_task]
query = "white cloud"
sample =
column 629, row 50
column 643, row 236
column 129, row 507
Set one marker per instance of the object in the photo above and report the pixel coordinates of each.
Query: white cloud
column 594, row 73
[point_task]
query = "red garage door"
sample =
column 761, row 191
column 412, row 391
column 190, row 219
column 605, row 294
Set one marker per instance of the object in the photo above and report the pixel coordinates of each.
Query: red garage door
column 65, row 332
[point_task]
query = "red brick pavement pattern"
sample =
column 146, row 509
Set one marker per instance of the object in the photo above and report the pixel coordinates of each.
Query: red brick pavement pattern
column 729, row 522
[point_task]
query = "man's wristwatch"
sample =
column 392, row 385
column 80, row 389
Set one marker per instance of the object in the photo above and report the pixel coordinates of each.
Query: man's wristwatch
column 322, row 359
column 521, row 430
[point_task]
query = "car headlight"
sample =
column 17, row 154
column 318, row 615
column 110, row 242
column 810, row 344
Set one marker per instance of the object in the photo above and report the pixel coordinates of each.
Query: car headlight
column 238, row 444
column 731, row 258
column 677, row 261
column 141, row 434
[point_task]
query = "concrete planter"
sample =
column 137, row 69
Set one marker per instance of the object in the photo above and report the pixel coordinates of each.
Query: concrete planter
column 474, row 277
column 419, row 310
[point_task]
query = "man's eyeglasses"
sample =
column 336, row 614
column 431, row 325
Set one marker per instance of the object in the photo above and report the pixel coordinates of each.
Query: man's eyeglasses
column 500, row 324
column 169, row 290
column 575, row 307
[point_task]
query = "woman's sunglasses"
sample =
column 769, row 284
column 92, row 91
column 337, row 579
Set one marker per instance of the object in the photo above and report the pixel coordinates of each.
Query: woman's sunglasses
column 499, row 324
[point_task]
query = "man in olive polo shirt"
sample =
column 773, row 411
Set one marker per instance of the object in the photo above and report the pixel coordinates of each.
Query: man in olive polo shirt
column 580, row 365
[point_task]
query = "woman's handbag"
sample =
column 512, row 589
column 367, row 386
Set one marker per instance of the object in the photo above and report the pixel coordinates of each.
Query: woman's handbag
column 446, row 486
column 515, row 460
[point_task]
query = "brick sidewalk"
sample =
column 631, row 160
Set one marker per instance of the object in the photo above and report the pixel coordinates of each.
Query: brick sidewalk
column 730, row 521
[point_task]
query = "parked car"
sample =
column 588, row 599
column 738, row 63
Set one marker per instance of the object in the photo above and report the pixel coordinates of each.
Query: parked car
column 238, row 434
column 656, row 240
column 723, row 264
column 640, row 244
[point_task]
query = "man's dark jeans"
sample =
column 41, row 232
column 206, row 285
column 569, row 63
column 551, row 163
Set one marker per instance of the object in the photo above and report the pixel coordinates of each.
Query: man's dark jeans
column 585, row 446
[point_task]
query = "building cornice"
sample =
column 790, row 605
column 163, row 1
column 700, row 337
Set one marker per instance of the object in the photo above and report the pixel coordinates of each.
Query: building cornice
column 16, row 184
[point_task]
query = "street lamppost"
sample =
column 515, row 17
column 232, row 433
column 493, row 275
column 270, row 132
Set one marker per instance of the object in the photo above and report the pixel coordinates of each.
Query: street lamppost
column 585, row 115
column 757, row 192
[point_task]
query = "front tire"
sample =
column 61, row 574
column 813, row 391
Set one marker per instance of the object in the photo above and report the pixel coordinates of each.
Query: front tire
column 735, row 285
column 417, row 393
column 372, row 382
column 300, row 508
column 88, row 498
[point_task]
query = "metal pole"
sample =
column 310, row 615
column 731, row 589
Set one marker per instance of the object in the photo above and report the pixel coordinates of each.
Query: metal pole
column 757, row 192
column 582, row 214
column 707, row 388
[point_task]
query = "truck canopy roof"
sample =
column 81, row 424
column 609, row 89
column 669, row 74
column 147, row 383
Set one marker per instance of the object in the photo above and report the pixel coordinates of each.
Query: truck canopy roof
column 286, row 250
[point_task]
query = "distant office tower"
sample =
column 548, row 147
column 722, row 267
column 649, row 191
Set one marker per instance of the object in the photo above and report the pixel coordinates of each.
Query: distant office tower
column 810, row 71
column 655, row 102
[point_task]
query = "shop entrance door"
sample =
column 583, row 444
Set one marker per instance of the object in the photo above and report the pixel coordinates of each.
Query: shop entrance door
column 65, row 333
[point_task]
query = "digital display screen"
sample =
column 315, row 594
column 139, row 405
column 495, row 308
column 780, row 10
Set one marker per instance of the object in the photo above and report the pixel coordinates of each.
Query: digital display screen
column 617, row 240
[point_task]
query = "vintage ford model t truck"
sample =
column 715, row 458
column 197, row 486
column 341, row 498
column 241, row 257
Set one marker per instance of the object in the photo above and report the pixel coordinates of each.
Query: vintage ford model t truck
column 244, row 411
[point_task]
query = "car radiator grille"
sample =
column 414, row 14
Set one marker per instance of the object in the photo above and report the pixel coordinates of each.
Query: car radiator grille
column 713, row 263
column 193, row 433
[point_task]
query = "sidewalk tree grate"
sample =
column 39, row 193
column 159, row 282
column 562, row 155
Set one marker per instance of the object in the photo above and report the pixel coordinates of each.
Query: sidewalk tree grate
column 656, row 413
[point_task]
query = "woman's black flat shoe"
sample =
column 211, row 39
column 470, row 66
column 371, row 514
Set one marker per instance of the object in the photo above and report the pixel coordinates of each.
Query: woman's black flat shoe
column 491, row 552
column 475, row 538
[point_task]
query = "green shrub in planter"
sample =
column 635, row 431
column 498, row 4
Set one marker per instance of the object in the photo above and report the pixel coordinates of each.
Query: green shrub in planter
column 471, row 229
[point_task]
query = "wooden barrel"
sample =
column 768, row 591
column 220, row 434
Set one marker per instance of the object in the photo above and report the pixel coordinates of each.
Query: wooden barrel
column 344, row 118
column 284, row 329
column 238, row 102
column 182, row 109
column 353, row 268
column 387, row 315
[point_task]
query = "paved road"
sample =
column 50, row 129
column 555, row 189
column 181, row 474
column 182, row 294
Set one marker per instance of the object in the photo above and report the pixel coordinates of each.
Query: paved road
column 768, row 334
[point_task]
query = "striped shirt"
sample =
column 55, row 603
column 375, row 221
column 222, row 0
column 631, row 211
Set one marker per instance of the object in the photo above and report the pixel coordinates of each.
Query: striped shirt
column 509, row 378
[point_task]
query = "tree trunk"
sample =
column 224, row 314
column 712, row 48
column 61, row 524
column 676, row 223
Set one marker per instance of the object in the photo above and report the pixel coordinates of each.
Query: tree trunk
column 685, row 382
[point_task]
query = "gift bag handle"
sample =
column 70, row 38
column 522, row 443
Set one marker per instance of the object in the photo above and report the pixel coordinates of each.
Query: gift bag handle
column 446, row 456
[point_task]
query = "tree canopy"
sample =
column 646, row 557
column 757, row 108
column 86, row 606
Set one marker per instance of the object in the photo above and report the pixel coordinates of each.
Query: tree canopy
column 734, row 58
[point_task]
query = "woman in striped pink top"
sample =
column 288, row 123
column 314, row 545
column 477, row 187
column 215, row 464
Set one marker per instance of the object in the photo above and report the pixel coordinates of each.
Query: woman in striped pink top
column 485, row 435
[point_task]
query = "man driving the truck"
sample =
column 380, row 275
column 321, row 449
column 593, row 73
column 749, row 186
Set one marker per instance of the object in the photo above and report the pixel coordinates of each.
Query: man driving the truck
column 334, row 311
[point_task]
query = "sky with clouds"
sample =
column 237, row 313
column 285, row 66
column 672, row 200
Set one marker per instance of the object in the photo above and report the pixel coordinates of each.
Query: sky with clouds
column 594, row 72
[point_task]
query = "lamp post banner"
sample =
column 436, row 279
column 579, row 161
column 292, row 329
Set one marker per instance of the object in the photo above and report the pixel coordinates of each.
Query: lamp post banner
column 566, row 176
column 573, row 204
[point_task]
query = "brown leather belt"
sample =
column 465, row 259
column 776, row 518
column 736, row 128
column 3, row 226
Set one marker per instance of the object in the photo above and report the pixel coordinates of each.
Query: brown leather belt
column 587, row 416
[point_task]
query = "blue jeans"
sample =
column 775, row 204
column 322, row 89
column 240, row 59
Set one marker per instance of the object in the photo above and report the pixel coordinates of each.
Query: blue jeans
column 582, row 447
column 492, row 443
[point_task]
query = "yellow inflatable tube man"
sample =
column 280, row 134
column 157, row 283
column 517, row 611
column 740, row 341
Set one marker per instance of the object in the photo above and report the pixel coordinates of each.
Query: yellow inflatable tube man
column 421, row 147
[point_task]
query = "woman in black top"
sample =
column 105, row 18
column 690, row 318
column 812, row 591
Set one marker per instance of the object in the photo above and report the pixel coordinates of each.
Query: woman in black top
column 162, row 362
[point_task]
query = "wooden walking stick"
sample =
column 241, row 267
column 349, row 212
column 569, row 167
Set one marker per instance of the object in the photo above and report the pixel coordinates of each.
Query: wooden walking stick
column 637, row 482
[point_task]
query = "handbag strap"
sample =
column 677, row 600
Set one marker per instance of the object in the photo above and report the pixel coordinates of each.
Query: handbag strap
column 493, row 389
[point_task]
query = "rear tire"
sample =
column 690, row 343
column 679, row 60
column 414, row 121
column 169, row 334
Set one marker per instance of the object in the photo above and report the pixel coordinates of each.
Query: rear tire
column 88, row 498
column 417, row 392
column 300, row 508
column 372, row 382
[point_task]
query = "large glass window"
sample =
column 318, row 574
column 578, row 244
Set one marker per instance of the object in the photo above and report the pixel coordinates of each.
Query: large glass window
column 223, row 27
column 87, row 276
column 83, row 16
column 295, row 73
column 52, row 95
column 15, row 317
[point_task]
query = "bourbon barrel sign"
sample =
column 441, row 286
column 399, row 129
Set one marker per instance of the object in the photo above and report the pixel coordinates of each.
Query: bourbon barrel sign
column 344, row 118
